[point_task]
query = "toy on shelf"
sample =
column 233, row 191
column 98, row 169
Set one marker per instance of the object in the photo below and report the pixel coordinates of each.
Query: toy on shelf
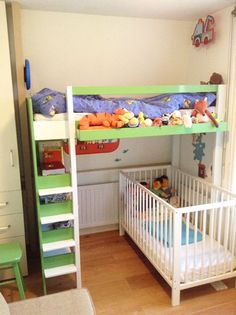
column 201, row 107
column 52, row 162
column 176, row 118
column 204, row 31
column 215, row 78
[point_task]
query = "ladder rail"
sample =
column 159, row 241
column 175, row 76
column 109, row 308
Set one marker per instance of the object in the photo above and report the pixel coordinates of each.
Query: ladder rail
column 73, row 171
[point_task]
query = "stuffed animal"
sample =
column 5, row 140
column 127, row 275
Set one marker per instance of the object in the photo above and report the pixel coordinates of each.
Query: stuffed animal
column 157, row 122
column 165, row 119
column 124, row 115
column 215, row 78
column 144, row 121
column 101, row 120
column 175, row 118
column 201, row 107
column 187, row 120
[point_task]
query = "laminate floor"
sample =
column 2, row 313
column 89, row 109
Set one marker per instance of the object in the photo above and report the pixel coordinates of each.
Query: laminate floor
column 121, row 281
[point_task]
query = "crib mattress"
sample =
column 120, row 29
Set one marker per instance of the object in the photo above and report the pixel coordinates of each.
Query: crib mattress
column 204, row 260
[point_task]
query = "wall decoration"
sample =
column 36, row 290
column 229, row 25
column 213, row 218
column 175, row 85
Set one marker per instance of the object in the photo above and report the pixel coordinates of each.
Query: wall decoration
column 198, row 152
column 125, row 151
column 204, row 31
column 92, row 147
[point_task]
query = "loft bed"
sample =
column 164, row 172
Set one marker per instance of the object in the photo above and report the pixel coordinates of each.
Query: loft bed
column 133, row 209
column 51, row 128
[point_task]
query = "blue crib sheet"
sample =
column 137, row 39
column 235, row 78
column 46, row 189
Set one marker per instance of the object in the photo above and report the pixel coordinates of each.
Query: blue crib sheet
column 169, row 242
column 49, row 102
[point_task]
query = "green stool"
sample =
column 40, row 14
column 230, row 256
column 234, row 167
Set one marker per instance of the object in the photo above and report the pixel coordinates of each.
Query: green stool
column 10, row 255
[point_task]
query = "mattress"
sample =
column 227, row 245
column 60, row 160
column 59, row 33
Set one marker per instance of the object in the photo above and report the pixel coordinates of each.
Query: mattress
column 213, row 261
column 58, row 117
column 78, row 116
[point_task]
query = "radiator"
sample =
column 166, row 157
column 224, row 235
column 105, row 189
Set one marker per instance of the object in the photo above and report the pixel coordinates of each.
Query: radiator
column 98, row 205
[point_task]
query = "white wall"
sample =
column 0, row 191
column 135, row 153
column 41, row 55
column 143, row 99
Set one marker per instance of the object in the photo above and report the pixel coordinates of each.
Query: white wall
column 214, row 57
column 75, row 49
column 203, row 61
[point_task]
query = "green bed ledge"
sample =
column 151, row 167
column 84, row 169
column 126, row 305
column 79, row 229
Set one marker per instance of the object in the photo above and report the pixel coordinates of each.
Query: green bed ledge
column 101, row 134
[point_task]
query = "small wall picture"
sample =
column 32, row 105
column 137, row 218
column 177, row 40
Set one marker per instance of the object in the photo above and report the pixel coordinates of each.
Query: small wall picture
column 204, row 31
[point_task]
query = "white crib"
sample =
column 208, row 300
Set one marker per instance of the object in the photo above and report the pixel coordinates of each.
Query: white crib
column 191, row 245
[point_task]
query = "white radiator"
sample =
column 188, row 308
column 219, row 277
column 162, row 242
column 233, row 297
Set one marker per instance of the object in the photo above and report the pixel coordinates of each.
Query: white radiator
column 98, row 205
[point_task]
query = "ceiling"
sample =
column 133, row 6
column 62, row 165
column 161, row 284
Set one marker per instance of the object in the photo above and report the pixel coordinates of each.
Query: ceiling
column 163, row 9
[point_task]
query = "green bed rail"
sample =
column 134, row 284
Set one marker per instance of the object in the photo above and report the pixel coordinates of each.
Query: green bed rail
column 148, row 89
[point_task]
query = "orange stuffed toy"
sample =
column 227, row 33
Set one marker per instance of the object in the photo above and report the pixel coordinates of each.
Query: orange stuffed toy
column 201, row 107
column 100, row 121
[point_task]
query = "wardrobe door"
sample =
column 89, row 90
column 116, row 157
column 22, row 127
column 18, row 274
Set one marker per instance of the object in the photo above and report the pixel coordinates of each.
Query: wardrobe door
column 9, row 163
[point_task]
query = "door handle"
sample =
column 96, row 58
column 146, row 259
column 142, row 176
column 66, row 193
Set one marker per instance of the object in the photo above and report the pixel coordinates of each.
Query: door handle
column 3, row 204
column 4, row 228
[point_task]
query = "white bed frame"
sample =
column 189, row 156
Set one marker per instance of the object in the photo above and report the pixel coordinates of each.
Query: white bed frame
column 203, row 207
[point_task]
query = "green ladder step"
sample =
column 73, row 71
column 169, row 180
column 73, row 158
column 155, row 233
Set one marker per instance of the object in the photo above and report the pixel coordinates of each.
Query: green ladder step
column 57, row 218
column 55, row 190
column 59, row 271
column 58, row 245
column 57, row 235
column 59, row 265
column 51, row 209
column 53, row 181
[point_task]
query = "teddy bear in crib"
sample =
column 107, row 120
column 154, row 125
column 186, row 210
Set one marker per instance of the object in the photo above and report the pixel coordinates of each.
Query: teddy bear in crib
column 170, row 192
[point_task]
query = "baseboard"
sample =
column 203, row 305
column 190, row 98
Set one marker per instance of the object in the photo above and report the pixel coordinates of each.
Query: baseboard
column 97, row 229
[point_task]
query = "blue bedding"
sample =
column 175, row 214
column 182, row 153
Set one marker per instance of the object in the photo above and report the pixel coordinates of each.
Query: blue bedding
column 149, row 227
column 49, row 103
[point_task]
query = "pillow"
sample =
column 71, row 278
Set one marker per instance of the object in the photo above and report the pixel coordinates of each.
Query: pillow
column 49, row 102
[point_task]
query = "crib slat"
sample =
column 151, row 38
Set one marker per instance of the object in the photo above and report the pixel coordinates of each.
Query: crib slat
column 226, row 234
column 148, row 207
column 233, row 248
column 203, row 243
column 161, row 235
column 195, row 244
column 185, row 191
column 154, row 236
column 186, row 248
column 165, row 231
column 219, row 236
column 211, row 235
column 189, row 192
column 170, row 241
column 140, row 217
column 143, row 220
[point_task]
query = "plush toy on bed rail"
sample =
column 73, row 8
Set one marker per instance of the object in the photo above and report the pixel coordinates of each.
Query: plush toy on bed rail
column 100, row 120
column 201, row 107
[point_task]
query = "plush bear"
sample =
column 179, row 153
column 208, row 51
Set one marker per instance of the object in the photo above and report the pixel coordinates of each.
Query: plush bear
column 215, row 78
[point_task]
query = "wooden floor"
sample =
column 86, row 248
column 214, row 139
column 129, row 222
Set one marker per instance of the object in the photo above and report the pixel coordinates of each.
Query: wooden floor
column 121, row 281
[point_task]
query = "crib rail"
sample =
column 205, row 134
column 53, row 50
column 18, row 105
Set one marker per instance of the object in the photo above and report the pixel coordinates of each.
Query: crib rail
column 196, row 191
column 144, row 217
column 209, row 249
column 190, row 245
